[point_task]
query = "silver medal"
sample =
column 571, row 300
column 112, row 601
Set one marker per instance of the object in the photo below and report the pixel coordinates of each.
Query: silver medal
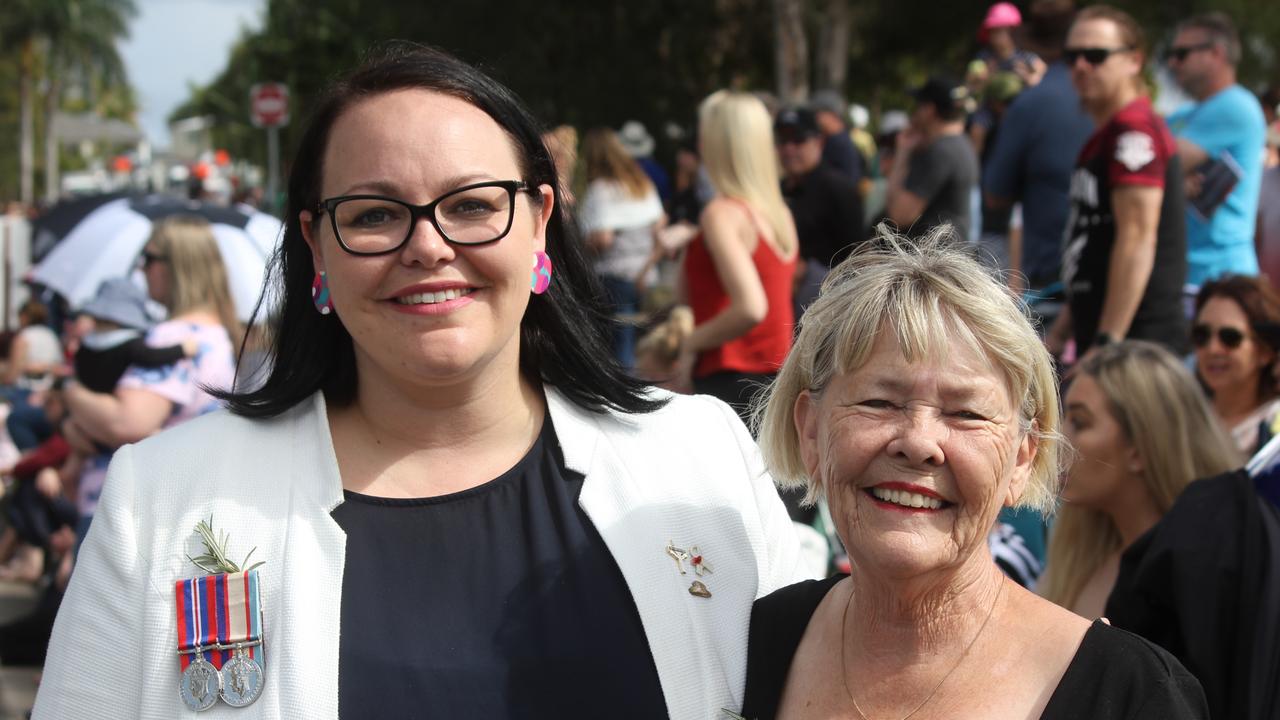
column 242, row 680
column 200, row 684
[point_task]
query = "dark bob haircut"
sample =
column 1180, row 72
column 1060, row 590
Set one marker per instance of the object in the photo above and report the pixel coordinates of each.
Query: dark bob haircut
column 564, row 334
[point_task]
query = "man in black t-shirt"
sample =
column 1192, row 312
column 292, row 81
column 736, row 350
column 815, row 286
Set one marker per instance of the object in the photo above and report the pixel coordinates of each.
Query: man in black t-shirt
column 824, row 202
column 935, row 169
column 1125, row 261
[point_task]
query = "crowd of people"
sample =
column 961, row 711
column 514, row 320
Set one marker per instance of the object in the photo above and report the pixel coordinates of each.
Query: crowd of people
column 952, row 419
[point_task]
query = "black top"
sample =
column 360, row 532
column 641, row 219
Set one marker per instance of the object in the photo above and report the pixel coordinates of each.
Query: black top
column 944, row 173
column 1114, row 674
column 1220, row 536
column 840, row 154
column 1134, row 148
column 501, row 601
column 828, row 213
column 99, row 369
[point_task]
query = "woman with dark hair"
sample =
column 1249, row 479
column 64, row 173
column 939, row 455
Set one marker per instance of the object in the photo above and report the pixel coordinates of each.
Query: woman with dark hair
column 1235, row 334
column 464, row 504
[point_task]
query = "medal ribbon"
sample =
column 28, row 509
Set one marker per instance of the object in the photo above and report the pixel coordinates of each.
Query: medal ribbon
column 218, row 609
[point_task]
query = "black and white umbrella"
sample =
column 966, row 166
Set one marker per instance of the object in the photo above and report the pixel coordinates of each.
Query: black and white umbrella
column 54, row 223
column 107, row 242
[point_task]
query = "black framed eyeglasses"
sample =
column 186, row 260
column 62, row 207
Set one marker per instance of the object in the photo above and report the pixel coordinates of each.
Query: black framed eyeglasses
column 1231, row 338
column 470, row 215
column 1180, row 53
column 1092, row 55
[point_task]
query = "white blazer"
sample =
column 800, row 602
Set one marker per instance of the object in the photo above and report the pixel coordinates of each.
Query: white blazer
column 688, row 473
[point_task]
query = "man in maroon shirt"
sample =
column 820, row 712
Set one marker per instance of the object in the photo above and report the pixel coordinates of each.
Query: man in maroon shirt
column 1125, row 259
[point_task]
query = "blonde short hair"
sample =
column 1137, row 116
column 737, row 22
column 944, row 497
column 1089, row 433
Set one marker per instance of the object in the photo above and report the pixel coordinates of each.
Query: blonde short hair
column 929, row 294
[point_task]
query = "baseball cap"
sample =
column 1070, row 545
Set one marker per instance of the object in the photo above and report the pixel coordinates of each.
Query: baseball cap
column 796, row 123
column 944, row 94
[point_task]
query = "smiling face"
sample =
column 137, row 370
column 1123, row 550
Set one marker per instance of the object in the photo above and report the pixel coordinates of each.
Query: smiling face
column 1225, row 367
column 432, row 312
column 1107, row 468
column 916, row 458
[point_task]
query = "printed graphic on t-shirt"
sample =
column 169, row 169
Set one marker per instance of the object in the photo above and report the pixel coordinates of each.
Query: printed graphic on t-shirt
column 1135, row 150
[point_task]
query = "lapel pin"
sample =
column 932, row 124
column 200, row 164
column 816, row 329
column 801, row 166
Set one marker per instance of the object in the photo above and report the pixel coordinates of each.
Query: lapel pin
column 700, row 565
column 679, row 555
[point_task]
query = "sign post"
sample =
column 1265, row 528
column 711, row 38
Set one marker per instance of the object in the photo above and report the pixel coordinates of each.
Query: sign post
column 269, row 108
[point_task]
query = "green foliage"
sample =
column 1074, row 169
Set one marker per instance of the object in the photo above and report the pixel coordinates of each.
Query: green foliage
column 581, row 62
column 64, row 43
column 216, row 559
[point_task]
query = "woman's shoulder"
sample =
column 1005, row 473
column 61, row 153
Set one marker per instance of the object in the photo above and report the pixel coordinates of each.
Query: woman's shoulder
column 174, row 331
column 796, row 602
column 778, row 624
column 1117, row 674
column 221, row 430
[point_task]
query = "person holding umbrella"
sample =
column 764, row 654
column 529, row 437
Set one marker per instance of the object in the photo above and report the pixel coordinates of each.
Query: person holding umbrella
column 184, row 273
column 462, row 503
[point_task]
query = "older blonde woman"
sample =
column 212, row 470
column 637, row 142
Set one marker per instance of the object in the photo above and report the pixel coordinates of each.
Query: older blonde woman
column 918, row 401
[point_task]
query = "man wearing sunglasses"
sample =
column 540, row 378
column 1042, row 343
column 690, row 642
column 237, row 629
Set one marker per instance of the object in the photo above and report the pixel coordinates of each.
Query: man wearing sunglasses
column 1125, row 261
column 1223, row 126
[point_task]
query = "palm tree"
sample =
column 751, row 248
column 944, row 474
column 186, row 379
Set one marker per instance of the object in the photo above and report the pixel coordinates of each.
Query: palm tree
column 61, row 35
column 82, row 45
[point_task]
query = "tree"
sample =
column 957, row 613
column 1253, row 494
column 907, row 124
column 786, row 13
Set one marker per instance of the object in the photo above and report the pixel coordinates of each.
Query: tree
column 833, row 45
column 791, row 51
column 56, row 38
column 82, row 45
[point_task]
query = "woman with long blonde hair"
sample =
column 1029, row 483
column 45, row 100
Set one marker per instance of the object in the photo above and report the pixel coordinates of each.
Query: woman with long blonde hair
column 739, row 272
column 184, row 272
column 1142, row 431
column 619, row 214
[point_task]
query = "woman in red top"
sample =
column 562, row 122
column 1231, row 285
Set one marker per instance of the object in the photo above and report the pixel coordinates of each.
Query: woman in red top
column 740, row 270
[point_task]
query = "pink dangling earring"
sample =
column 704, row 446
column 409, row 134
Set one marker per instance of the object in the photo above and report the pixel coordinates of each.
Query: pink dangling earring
column 541, row 272
column 320, row 294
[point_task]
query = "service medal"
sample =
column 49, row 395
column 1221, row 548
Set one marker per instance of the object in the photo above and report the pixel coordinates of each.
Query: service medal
column 242, row 680
column 220, row 631
column 200, row 685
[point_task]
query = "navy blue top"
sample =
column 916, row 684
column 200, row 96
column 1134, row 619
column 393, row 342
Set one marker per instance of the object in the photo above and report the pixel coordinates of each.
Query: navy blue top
column 501, row 601
column 1040, row 137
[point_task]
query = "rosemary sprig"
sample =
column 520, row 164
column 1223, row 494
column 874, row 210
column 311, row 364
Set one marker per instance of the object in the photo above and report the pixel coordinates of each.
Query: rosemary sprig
column 215, row 559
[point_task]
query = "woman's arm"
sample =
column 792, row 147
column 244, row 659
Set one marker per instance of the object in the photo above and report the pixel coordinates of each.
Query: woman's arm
column 126, row 416
column 14, row 369
column 723, row 230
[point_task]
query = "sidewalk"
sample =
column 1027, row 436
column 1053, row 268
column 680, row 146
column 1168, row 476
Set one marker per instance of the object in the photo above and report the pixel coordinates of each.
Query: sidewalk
column 17, row 684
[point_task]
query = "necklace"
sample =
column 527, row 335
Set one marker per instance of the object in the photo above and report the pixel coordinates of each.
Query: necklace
column 844, row 667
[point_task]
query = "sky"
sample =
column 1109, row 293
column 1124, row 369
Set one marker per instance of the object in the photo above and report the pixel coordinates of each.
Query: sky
column 174, row 43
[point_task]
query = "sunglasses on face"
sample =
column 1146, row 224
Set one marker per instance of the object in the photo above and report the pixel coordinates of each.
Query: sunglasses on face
column 1178, row 54
column 1093, row 55
column 1230, row 337
column 149, row 258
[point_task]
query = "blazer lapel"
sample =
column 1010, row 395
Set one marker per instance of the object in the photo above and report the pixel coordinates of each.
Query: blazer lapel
column 306, row 608
column 636, row 528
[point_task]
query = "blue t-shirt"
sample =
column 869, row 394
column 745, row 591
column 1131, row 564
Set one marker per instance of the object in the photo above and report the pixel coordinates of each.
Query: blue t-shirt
column 1230, row 122
column 1032, row 160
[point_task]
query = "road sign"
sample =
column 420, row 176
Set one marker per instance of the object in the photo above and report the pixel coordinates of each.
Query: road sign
column 269, row 105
